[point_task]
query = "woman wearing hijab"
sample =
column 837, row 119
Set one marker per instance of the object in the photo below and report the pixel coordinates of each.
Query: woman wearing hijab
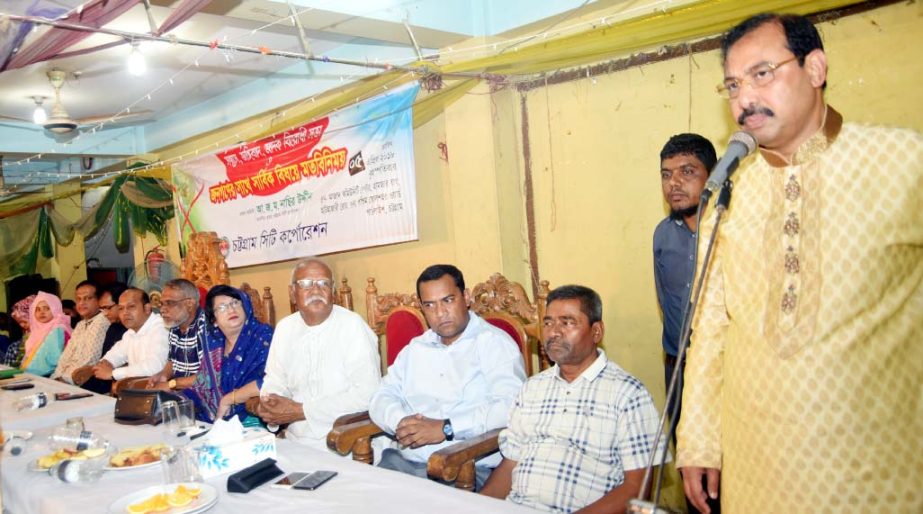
column 49, row 330
column 20, row 314
column 234, row 363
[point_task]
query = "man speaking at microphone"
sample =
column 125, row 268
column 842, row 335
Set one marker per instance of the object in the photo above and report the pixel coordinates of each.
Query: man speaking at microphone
column 805, row 371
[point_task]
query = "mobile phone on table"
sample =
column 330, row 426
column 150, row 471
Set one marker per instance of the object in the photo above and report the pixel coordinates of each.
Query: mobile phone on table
column 289, row 480
column 17, row 387
column 314, row 480
column 70, row 396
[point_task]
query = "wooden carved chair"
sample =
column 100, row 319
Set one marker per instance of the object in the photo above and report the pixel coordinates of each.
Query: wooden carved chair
column 204, row 265
column 506, row 305
column 499, row 301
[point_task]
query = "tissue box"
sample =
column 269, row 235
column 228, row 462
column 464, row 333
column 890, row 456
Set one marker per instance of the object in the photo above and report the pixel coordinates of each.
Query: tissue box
column 226, row 458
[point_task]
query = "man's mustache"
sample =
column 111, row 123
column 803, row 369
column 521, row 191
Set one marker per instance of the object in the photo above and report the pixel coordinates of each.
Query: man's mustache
column 315, row 298
column 750, row 112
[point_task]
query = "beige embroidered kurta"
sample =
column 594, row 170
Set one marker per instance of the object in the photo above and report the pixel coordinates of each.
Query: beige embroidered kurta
column 805, row 376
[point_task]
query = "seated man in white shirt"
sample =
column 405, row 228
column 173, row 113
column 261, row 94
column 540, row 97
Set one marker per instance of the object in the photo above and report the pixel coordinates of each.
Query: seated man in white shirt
column 323, row 361
column 454, row 382
column 144, row 346
column 580, row 433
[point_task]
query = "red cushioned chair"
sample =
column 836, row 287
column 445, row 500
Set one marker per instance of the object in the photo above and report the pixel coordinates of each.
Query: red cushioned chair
column 401, row 326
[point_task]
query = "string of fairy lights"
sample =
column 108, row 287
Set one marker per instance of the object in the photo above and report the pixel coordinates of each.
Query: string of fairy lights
column 227, row 50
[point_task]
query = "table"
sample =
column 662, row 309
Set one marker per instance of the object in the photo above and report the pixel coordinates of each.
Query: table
column 358, row 487
column 53, row 414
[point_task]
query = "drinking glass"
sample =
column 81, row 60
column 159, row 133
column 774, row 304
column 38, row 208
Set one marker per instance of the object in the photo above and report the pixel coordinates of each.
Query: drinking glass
column 180, row 464
column 186, row 416
column 169, row 411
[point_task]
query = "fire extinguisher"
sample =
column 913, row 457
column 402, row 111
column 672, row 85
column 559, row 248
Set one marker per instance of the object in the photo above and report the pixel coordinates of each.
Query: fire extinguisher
column 153, row 260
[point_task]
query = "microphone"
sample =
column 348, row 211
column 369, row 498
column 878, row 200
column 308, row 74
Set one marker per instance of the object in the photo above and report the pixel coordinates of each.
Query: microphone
column 741, row 145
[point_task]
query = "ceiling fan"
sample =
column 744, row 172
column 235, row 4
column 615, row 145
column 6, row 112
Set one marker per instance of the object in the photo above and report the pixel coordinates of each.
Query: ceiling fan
column 59, row 124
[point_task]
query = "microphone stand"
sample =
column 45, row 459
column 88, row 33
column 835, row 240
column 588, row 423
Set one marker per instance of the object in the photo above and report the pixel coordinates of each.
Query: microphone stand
column 639, row 505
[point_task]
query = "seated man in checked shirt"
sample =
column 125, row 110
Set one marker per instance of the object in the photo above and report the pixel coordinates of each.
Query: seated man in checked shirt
column 580, row 433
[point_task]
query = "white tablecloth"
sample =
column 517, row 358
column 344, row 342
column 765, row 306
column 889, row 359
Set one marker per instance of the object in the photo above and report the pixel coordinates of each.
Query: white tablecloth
column 358, row 488
column 53, row 414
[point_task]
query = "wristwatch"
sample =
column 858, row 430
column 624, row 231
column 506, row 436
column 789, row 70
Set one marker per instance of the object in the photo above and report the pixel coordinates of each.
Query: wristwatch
column 447, row 430
column 172, row 383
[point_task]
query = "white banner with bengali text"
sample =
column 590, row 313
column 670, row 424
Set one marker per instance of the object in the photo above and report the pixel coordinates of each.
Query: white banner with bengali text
column 338, row 183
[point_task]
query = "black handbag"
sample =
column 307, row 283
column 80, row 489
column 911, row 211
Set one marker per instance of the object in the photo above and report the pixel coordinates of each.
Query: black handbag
column 141, row 406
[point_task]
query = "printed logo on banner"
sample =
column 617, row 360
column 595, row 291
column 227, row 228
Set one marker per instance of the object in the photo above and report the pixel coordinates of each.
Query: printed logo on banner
column 356, row 164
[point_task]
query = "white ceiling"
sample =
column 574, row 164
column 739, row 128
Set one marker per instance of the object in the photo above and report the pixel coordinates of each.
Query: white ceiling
column 188, row 90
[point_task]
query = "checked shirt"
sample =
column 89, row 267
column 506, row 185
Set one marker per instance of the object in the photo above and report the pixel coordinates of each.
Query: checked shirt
column 574, row 441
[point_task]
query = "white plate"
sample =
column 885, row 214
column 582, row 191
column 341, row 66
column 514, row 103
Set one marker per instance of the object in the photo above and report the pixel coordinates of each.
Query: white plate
column 116, row 452
column 207, row 498
column 110, row 467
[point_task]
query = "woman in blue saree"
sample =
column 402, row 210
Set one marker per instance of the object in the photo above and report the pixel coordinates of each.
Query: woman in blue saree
column 234, row 363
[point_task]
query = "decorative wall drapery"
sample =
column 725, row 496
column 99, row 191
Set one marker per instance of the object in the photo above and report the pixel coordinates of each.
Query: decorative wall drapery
column 139, row 203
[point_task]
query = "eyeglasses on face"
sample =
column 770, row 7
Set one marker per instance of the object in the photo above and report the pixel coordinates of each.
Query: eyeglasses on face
column 308, row 283
column 172, row 304
column 225, row 307
column 107, row 308
column 758, row 76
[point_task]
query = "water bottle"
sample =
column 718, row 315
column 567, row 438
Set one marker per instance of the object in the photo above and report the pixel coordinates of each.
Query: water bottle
column 74, row 470
column 16, row 445
column 31, row 402
column 74, row 439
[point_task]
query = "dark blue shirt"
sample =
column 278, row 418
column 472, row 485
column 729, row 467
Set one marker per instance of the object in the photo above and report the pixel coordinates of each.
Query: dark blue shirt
column 674, row 245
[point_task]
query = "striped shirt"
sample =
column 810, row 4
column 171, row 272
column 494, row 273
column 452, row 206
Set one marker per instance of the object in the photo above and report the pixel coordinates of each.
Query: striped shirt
column 186, row 349
column 573, row 442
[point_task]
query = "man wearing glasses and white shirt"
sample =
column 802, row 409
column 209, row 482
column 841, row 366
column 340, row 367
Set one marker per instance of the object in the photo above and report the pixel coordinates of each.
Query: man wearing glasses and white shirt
column 323, row 361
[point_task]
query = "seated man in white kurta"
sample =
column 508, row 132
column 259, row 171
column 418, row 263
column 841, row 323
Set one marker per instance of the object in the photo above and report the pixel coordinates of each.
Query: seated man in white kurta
column 323, row 360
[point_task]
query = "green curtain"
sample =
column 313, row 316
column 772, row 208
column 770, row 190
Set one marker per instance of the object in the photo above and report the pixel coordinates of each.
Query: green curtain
column 19, row 254
column 139, row 203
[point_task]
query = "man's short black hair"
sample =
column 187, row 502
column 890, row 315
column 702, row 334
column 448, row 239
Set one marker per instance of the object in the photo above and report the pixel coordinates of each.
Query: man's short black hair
column 590, row 302
column 115, row 290
column 801, row 35
column 691, row 144
column 145, row 298
column 437, row 271
column 219, row 290
column 94, row 285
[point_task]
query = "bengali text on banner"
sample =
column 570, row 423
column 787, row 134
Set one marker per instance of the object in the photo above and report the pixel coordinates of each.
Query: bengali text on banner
column 338, row 183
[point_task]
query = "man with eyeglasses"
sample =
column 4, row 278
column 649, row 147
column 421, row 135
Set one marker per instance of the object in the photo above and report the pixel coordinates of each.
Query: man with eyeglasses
column 323, row 361
column 86, row 342
column 804, row 375
column 185, row 321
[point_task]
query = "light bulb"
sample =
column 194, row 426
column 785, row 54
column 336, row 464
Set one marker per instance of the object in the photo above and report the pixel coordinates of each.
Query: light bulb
column 137, row 64
column 39, row 116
